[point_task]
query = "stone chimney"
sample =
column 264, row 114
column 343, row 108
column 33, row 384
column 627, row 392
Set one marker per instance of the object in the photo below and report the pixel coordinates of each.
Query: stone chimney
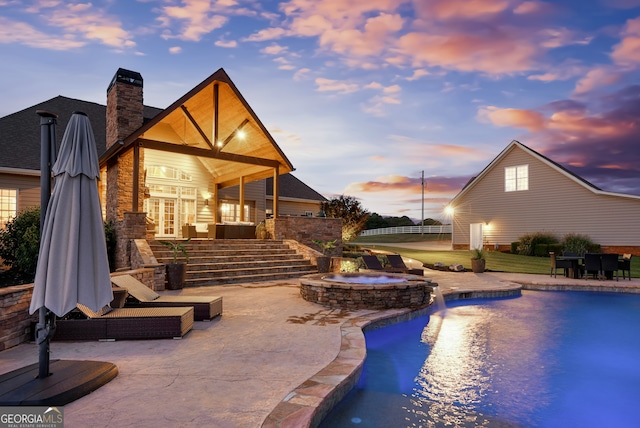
column 125, row 114
column 125, row 108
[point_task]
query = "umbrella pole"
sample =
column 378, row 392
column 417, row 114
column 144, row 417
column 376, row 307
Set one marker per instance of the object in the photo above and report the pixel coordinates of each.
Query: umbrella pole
column 46, row 320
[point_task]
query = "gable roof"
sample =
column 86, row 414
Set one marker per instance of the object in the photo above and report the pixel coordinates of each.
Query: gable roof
column 206, row 122
column 291, row 187
column 20, row 131
column 518, row 145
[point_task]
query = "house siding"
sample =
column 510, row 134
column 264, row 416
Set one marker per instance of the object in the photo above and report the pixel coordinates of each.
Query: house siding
column 28, row 189
column 554, row 203
column 295, row 208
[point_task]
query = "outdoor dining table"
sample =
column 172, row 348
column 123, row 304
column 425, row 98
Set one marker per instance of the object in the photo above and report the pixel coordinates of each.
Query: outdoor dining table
column 574, row 270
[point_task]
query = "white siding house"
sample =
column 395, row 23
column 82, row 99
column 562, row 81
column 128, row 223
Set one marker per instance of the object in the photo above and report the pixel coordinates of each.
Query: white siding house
column 522, row 191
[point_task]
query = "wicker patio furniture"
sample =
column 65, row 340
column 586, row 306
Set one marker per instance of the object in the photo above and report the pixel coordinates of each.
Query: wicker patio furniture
column 396, row 262
column 205, row 307
column 125, row 323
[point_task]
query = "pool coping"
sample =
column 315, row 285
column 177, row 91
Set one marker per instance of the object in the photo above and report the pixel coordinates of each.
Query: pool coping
column 309, row 403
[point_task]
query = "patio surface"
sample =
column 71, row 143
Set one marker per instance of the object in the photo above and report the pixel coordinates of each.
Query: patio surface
column 235, row 370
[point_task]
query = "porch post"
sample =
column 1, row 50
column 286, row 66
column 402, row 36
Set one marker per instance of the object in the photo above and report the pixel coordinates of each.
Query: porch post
column 216, row 191
column 136, row 179
column 276, row 187
column 242, row 198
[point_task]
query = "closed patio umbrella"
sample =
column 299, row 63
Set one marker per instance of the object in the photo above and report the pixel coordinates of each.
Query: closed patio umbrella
column 72, row 264
column 72, row 267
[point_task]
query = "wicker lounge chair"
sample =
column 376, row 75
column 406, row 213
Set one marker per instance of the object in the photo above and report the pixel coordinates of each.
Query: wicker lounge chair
column 396, row 262
column 372, row 262
column 125, row 324
column 205, row 307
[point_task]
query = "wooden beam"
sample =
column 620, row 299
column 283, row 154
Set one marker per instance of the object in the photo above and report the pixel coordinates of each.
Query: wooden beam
column 206, row 153
column 216, row 112
column 276, row 189
column 242, row 198
column 233, row 134
column 195, row 125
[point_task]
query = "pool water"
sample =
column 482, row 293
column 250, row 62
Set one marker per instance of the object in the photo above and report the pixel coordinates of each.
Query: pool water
column 545, row 359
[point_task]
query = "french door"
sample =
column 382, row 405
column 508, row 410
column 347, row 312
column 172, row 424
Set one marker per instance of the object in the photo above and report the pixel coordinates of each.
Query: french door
column 163, row 213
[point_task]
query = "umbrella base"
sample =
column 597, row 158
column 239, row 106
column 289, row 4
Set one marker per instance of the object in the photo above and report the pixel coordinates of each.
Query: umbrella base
column 69, row 381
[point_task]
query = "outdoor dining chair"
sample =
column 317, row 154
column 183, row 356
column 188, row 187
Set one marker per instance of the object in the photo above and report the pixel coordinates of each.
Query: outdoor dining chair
column 556, row 264
column 592, row 265
column 609, row 265
column 624, row 265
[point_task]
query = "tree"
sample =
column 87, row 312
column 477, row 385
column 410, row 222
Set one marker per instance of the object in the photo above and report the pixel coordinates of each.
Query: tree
column 431, row 222
column 351, row 211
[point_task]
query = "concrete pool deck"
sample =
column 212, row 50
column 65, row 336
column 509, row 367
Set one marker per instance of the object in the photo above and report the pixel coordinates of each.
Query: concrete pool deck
column 272, row 359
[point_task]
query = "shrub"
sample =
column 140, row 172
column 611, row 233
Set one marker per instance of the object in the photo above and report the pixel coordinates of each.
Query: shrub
column 579, row 244
column 528, row 243
column 110, row 238
column 20, row 242
column 514, row 247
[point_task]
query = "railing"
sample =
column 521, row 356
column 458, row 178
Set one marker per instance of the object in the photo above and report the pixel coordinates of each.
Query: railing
column 445, row 228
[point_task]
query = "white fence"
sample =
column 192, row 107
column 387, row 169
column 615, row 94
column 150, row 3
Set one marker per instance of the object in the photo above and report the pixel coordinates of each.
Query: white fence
column 445, row 228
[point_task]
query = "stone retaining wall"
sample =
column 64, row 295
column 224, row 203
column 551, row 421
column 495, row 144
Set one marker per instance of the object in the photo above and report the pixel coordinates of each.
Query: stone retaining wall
column 15, row 321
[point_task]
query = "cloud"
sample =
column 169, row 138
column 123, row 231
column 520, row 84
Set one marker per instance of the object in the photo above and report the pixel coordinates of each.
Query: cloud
column 597, row 77
column 409, row 185
column 25, row 34
column 627, row 52
column 511, row 117
column 274, row 49
column 301, row 74
column 175, row 50
column 226, row 43
column 195, row 19
column 460, row 9
column 328, row 85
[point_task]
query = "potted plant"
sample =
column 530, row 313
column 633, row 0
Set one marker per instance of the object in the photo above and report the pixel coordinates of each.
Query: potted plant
column 324, row 261
column 478, row 261
column 261, row 230
column 176, row 271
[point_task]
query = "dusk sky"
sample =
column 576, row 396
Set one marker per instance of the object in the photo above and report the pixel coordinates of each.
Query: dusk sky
column 364, row 95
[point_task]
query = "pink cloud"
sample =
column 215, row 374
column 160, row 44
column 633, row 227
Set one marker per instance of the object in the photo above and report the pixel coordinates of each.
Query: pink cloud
column 511, row 117
column 500, row 51
column 627, row 52
column 597, row 77
column 459, row 9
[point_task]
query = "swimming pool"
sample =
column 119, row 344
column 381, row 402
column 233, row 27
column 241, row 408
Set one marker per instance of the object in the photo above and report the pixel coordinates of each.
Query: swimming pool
column 545, row 359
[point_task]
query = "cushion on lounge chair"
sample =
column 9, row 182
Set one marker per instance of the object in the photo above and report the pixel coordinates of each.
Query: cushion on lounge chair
column 205, row 307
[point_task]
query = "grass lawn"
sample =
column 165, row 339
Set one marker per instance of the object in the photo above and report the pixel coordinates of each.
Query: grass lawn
column 496, row 261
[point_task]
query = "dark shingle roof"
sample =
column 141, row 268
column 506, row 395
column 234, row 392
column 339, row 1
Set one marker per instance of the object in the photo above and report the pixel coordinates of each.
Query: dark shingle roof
column 291, row 187
column 20, row 131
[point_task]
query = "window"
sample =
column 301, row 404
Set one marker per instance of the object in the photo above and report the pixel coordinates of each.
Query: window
column 157, row 171
column 516, row 178
column 8, row 205
column 231, row 211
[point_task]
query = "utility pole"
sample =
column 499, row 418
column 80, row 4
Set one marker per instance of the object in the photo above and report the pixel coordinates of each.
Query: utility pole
column 422, row 218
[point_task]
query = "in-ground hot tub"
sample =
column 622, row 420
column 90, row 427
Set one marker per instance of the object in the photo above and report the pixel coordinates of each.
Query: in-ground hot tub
column 367, row 290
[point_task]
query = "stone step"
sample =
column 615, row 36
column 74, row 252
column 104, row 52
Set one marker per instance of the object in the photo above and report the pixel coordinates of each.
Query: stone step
column 224, row 265
column 248, row 252
column 245, row 270
column 214, row 262
column 270, row 276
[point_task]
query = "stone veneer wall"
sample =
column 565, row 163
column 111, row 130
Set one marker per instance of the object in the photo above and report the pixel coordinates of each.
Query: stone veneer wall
column 15, row 321
column 142, row 258
column 305, row 229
